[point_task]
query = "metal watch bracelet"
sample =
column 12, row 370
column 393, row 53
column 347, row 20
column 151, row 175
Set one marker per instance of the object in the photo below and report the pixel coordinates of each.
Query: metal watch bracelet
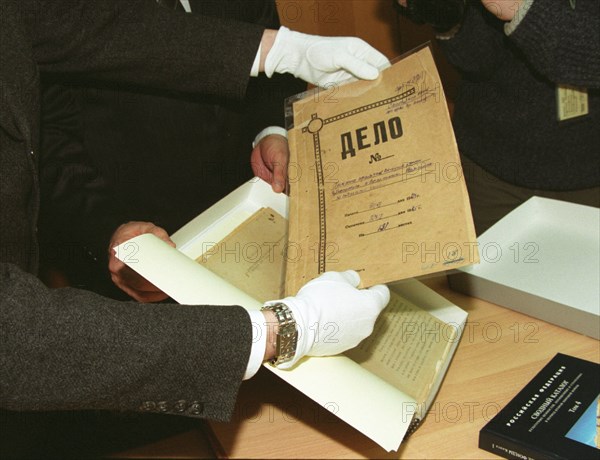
column 287, row 334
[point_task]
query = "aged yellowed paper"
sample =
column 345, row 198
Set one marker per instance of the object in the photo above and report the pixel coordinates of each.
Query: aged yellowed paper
column 376, row 180
column 406, row 348
column 251, row 257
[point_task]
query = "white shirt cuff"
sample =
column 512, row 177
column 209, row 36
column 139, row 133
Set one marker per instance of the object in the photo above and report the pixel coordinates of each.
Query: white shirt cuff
column 267, row 132
column 259, row 343
column 256, row 64
column 186, row 5
column 511, row 25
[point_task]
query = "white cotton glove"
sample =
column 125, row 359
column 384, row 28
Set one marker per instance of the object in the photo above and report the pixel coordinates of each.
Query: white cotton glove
column 323, row 60
column 332, row 315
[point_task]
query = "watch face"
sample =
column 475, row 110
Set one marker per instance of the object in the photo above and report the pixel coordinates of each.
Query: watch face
column 287, row 337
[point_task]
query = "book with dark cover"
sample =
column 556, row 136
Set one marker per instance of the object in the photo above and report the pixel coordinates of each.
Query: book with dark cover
column 555, row 416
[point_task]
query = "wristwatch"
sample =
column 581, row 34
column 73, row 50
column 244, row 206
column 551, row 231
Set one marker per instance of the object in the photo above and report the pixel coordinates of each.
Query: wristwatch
column 287, row 334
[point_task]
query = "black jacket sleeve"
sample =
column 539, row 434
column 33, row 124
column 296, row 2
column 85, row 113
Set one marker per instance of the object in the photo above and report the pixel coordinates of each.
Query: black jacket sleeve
column 66, row 349
column 140, row 42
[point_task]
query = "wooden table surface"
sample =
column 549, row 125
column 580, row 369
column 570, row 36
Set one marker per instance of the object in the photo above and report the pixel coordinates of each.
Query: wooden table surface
column 500, row 351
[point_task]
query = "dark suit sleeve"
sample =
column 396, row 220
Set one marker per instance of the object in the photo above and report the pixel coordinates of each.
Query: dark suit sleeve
column 142, row 43
column 88, row 352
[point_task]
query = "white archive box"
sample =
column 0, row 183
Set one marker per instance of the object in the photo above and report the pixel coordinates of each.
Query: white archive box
column 543, row 260
column 371, row 402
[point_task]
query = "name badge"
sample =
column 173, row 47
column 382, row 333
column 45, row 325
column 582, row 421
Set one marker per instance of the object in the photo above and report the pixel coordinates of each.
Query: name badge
column 572, row 102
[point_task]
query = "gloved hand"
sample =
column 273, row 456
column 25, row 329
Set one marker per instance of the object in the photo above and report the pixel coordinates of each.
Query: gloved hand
column 332, row 315
column 323, row 60
column 443, row 15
